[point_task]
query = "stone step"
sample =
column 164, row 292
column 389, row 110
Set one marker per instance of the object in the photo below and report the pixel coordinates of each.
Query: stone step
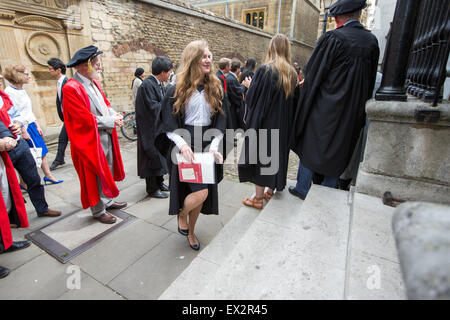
column 373, row 269
column 293, row 250
column 193, row 279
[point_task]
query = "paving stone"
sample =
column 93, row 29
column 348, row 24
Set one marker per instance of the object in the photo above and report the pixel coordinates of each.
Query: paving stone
column 153, row 273
column 152, row 210
column 115, row 253
column 90, row 289
column 373, row 278
column 40, row 279
column 191, row 282
column 16, row 259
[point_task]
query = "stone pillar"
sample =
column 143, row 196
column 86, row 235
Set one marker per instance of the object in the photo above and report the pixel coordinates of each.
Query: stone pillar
column 407, row 151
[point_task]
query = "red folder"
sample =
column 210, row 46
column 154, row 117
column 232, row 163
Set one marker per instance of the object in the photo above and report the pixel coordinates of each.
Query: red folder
column 190, row 172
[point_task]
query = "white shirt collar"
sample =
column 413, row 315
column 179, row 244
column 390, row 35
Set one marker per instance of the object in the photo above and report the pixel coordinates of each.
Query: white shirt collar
column 233, row 74
column 61, row 79
column 159, row 82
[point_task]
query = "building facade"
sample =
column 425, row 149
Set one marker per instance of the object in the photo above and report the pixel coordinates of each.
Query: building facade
column 131, row 33
column 367, row 16
column 294, row 18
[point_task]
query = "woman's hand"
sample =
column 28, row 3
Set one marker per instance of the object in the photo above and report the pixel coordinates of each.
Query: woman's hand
column 7, row 144
column 187, row 153
column 218, row 156
column 39, row 129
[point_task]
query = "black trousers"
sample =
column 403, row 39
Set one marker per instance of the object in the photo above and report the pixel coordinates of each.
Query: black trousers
column 63, row 140
column 24, row 163
column 153, row 183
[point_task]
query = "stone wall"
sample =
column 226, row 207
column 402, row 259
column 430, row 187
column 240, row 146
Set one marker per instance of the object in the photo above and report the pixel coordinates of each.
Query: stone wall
column 132, row 33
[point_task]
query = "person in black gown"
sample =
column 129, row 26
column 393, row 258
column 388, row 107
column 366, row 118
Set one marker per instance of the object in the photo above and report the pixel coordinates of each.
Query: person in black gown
column 269, row 109
column 195, row 104
column 339, row 79
column 151, row 164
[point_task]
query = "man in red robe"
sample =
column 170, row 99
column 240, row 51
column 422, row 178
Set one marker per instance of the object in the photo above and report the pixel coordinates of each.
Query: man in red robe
column 91, row 126
column 12, row 206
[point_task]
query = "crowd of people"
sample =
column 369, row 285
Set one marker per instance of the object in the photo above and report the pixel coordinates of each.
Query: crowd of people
column 318, row 112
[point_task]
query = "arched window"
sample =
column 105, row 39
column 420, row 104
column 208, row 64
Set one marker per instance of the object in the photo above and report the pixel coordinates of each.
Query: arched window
column 255, row 19
column 248, row 18
column 261, row 20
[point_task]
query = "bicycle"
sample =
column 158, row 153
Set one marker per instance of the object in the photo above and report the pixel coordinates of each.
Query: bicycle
column 129, row 125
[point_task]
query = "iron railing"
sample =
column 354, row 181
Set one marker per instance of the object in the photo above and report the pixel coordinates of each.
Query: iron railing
column 430, row 50
column 417, row 51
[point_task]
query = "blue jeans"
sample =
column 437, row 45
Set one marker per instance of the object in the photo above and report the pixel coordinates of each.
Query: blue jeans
column 24, row 163
column 304, row 178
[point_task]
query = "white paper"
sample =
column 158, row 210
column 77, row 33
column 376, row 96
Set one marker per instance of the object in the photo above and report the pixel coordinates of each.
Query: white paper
column 188, row 174
column 206, row 160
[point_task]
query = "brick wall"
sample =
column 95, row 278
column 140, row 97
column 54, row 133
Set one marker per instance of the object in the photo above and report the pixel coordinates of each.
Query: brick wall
column 132, row 33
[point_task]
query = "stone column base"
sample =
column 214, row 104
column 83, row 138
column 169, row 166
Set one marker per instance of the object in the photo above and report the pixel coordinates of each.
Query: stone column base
column 407, row 151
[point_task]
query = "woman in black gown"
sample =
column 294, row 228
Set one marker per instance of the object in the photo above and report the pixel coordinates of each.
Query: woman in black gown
column 194, row 104
column 270, row 104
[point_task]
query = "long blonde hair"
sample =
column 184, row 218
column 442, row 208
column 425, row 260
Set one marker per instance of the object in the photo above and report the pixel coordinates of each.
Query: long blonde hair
column 279, row 58
column 189, row 76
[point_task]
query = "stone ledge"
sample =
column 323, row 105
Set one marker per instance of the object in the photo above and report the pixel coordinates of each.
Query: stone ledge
column 422, row 234
column 406, row 189
column 404, row 112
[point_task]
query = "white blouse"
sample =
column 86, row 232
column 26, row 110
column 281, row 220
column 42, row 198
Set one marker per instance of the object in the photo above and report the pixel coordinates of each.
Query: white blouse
column 198, row 113
column 22, row 102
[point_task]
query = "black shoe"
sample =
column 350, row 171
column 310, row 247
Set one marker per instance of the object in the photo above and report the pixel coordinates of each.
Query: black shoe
column 195, row 246
column 163, row 187
column 159, row 194
column 184, row 232
column 18, row 245
column 3, row 272
column 294, row 192
column 55, row 164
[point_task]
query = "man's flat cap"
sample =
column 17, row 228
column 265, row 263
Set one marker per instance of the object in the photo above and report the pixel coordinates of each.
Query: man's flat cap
column 83, row 55
column 346, row 6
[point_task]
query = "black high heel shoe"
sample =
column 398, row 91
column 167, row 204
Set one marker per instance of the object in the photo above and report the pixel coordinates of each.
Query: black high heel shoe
column 184, row 232
column 195, row 246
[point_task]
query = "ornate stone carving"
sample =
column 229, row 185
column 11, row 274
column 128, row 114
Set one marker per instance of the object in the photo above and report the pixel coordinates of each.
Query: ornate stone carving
column 7, row 14
column 63, row 4
column 38, row 1
column 42, row 46
column 38, row 22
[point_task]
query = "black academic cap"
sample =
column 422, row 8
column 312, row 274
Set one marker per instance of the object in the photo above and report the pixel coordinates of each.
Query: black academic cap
column 346, row 6
column 83, row 55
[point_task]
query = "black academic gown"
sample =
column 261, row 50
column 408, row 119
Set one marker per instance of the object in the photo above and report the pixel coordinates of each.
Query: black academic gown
column 267, row 108
column 339, row 79
column 236, row 96
column 150, row 163
column 179, row 191
column 226, row 100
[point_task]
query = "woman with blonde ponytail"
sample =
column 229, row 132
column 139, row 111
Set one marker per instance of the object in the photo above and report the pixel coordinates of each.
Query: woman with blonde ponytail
column 194, row 104
column 269, row 110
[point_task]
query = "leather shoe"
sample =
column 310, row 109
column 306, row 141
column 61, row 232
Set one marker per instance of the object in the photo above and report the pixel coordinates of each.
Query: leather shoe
column 294, row 192
column 106, row 218
column 3, row 272
column 163, row 187
column 117, row 205
column 18, row 245
column 55, row 164
column 196, row 246
column 50, row 213
column 159, row 194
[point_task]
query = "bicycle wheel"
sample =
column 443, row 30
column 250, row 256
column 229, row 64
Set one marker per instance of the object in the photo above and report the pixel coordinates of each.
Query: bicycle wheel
column 129, row 126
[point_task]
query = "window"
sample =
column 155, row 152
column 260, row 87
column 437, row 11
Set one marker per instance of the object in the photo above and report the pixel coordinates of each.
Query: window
column 255, row 17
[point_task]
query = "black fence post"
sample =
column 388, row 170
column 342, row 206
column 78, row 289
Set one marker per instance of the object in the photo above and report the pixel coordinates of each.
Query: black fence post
column 398, row 50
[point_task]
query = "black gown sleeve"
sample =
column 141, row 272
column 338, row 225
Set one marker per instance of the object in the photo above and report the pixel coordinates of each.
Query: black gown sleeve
column 316, row 70
column 148, row 109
